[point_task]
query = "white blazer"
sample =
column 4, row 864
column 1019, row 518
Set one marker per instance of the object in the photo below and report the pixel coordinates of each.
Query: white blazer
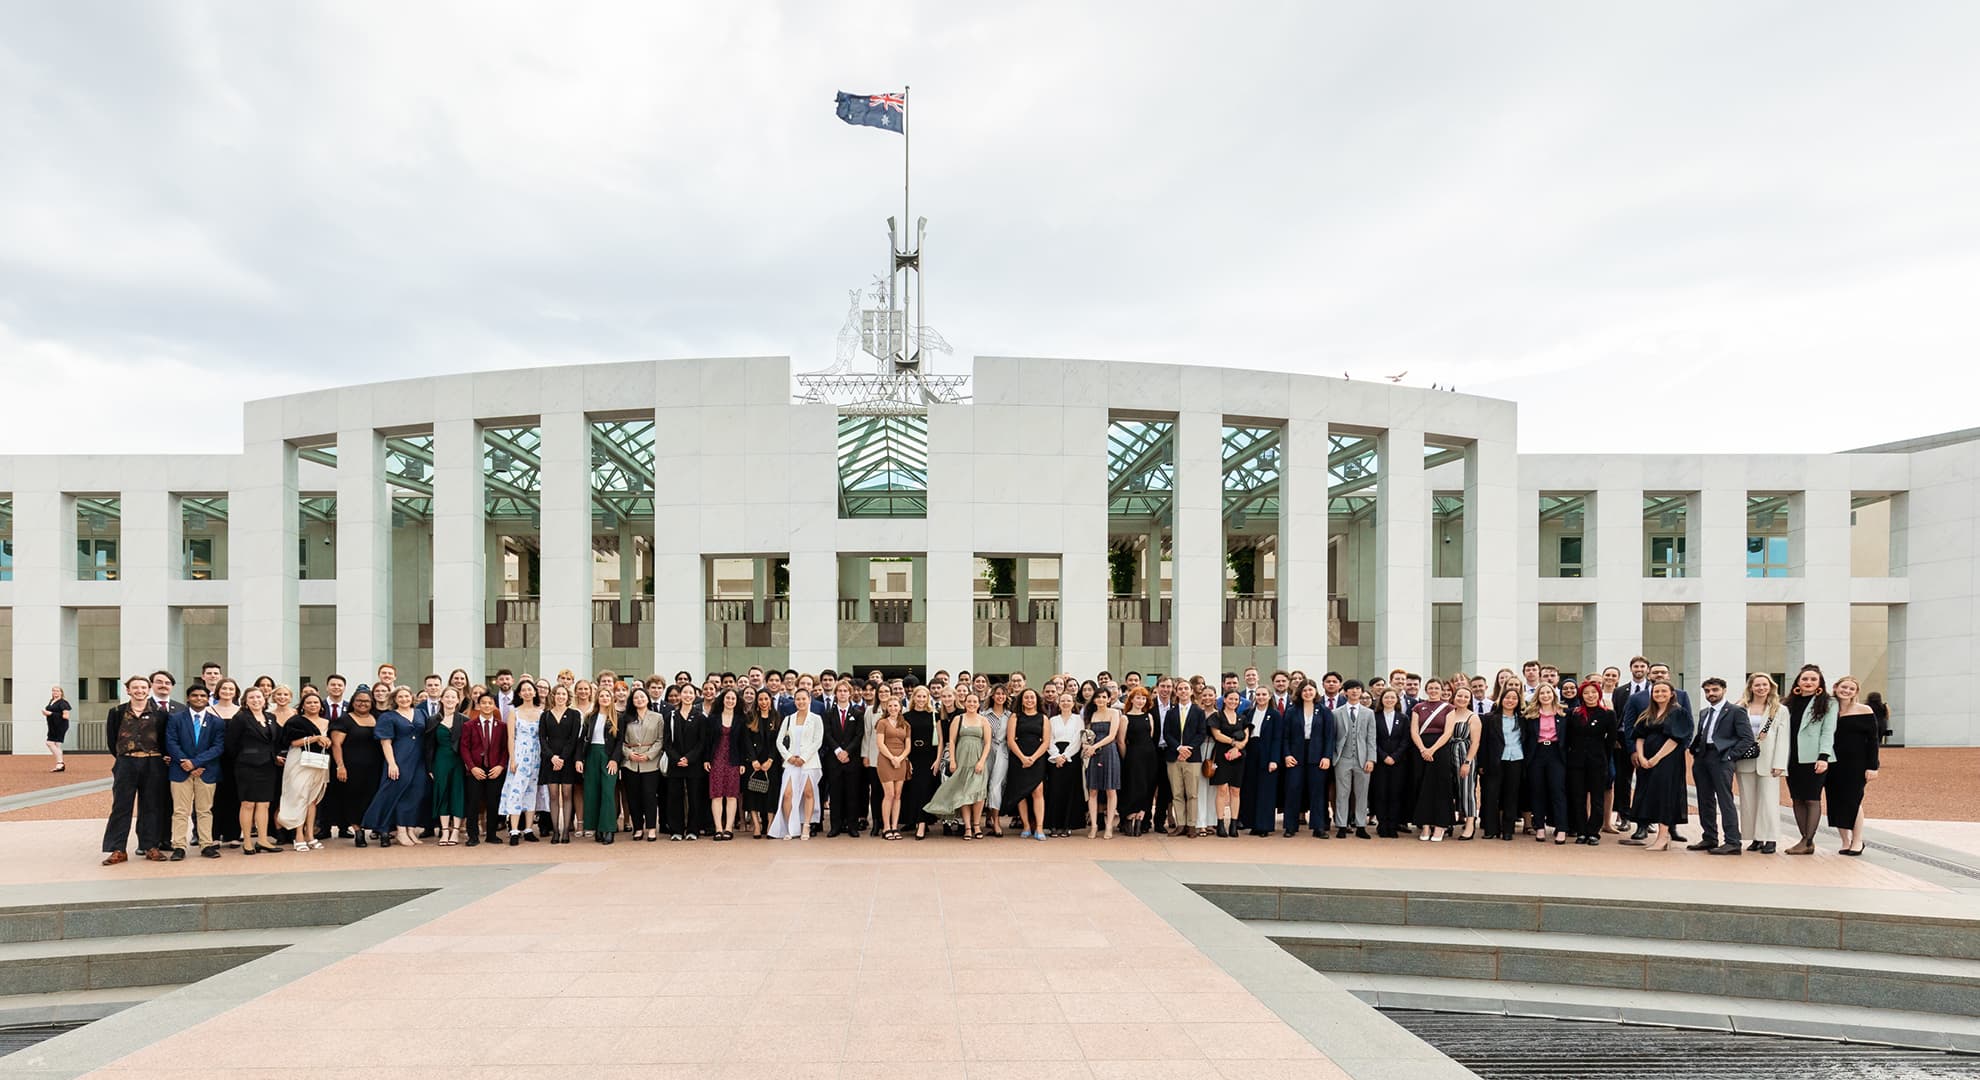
column 801, row 740
column 1774, row 747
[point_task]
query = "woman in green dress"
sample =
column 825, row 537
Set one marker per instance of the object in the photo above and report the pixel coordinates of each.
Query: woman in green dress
column 449, row 778
column 961, row 795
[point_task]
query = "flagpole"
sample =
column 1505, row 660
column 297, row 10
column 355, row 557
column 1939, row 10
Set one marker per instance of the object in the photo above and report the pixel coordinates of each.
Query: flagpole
column 907, row 219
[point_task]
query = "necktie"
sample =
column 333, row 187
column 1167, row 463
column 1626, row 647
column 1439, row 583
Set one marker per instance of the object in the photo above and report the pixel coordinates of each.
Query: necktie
column 199, row 723
column 1711, row 718
column 487, row 735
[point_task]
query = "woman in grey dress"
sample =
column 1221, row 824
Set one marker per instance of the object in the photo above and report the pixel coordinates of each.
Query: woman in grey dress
column 998, row 716
column 1465, row 740
column 1103, row 761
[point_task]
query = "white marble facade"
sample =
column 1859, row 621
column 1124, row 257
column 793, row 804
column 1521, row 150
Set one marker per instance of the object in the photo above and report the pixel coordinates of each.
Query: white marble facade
column 1023, row 471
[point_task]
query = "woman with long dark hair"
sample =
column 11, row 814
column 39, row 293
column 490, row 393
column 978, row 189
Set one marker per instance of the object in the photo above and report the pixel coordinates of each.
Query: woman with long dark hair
column 723, row 757
column 1230, row 732
column 598, row 769
column 1432, row 725
column 1662, row 732
column 762, row 784
column 522, row 783
column 1024, row 788
column 1502, row 755
column 358, row 762
column 1591, row 738
column 1812, row 723
column 640, row 753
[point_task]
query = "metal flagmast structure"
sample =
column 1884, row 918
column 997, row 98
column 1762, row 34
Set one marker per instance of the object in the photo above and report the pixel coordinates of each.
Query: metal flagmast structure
column 892, row 333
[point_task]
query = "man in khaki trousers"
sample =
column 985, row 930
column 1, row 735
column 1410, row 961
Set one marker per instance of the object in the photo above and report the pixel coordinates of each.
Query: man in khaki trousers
column 194, row 739
column 1184, row 727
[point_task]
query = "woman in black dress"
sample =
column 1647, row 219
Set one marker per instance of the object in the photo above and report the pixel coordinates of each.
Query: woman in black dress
column 257, row 772
column 56, row 712
column 359, row 761
column 1064, row 801
column 1812, row 723
column 227, row 793
column 1230, row 730
column 765, row 766
column 558, row 730
column 1141, row 762
column 1858, row 731
column 1024, row 785
column 1591, row 738
column 1662, row 732
column 924, row 750
column 1431, row 728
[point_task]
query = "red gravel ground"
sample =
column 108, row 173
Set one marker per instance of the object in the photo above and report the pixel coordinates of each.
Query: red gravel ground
column 1918, row 784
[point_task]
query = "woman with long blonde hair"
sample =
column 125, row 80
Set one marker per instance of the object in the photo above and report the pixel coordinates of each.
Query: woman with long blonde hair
column 1858, row 732
column 1759, row 777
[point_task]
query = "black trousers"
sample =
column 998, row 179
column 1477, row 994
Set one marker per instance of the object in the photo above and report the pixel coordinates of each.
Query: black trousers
column 1498, row 797
column 869, row 782
column 1587, row 782
column 1546, row 772
column 643, row 797
column 1164, row 797
column 484, row 798
column 1712, row 771
column 687, row 799
column 1386, row 788
column 140, row 783
column 842, row 793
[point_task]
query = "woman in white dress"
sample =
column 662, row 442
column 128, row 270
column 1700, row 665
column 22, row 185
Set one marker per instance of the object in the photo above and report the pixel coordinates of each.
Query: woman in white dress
column 519, row 787
column 798, row 743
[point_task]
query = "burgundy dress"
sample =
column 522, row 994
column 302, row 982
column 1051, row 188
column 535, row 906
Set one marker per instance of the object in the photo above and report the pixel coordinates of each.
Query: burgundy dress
column 723, row 780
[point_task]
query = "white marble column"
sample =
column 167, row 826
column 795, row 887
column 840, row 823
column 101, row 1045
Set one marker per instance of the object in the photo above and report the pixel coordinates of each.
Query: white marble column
column 1493, row 614
column 150, row 554
column 1402, row 524
column 1716, row 635
column 460, row 537
column 1197, row 551
column 1083, row 555
column 814, row 610
column 262, row 514
column 364, row 552
column 680, row 609
column 1303, row 588
column 564, row 451
column 1818, row 553
column 44, row 630
column 1612, row 543
column 1527, row 609
column 951, row 608
column 494, row 572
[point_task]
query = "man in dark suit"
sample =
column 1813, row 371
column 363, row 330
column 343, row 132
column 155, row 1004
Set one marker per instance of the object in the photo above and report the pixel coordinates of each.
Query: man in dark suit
column 843, row 730
column 161, row 693
column 1186, row 724
column 194, row 742
column 484, row 742
column 1165, row 748
column 687, row 781
column 1725, row 734
column 135, row 730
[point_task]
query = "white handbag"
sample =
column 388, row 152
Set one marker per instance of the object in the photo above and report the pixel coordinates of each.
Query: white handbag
column 312, row 759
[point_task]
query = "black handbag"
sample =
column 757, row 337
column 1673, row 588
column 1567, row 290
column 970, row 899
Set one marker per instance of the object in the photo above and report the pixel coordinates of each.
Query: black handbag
column 759, row 783
column 1752, row 749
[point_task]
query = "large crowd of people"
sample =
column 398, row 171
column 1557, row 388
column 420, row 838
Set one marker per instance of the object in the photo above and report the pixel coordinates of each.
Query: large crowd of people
column 769, row 755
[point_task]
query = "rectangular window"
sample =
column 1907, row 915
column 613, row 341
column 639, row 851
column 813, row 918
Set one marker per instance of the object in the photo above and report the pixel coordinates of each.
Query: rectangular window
column 1570, row 561
column 96, row 560
column 1666, row 557
column 1767, row 556
column 199, row 558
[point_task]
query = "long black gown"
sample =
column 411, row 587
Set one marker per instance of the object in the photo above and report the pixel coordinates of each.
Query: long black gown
column 1141, row 764
column 1660, row 796
column 922, row 779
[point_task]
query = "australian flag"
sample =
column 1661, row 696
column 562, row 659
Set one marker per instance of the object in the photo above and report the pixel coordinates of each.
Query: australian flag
column 874, row 110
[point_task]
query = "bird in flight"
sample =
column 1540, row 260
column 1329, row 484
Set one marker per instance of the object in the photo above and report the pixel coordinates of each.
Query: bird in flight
column 1397, row 377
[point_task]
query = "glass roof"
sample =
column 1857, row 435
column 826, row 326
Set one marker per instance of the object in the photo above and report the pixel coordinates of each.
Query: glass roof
column 883, row 466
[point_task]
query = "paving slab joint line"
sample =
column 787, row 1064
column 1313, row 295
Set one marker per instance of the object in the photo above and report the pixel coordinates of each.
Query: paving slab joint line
column 114, row 1037
column 1356, row 1038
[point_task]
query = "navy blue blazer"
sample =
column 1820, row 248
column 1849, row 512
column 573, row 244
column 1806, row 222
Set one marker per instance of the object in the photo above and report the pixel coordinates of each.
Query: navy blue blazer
column 1325, row 743
column 203, row 751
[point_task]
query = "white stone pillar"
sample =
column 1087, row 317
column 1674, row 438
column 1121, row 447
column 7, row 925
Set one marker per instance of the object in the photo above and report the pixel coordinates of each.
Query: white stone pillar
column 1613, row 544
column 1083, row 583
column 814, row 610
column 1493, row 614
column 1527, row 645
column 364, row 552
column 1197, row 551
column 1402, row 524
column 262, row 520
column 150, row 554
column 1303, row 587
column 1716, row 636
column 1818, row 553
column 951, row 607
column 1151, row 571
column 628, row 572
column 680, row 609
column 494, row 572
column 564, row 453
column 44, row 630
column 460, row 536
column 1021, row 589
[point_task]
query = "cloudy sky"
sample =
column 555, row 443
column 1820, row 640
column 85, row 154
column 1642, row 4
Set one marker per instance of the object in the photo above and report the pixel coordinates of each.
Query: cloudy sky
column 1742, row 226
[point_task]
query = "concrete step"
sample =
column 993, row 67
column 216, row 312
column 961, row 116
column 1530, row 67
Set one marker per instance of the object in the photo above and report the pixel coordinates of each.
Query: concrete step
column 1888, row 1027
column 75, row 1006
column 1765, row 972
column 103, row 963
column 1813, row 926
column 55, row 921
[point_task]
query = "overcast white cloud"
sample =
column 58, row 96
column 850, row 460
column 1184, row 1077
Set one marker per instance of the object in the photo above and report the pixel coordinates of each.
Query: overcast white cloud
column 1757, row 220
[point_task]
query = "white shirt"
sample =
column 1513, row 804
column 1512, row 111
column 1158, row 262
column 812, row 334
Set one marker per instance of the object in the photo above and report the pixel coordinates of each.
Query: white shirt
column 1065, row 731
